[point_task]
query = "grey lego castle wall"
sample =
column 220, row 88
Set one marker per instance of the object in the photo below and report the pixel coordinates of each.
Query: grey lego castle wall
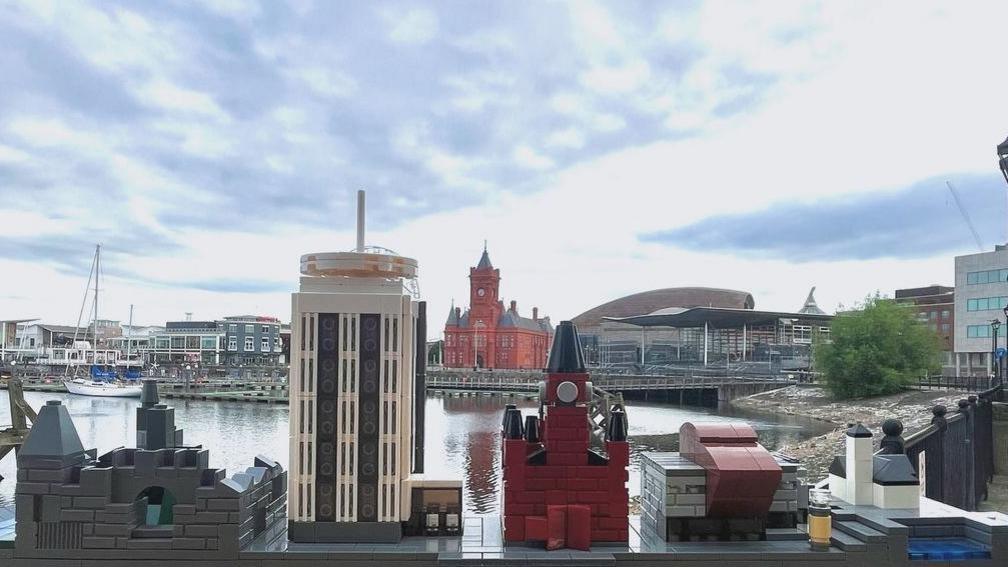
column 73, row 506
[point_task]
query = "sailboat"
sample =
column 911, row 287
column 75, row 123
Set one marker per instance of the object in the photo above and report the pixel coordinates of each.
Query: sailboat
column 102, row 381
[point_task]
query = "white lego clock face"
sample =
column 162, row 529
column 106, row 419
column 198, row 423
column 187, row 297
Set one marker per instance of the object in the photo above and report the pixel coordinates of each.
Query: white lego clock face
column 481, row 292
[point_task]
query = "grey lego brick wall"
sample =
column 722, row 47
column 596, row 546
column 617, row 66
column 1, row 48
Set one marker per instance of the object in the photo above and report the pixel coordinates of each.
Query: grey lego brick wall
column 94, row 511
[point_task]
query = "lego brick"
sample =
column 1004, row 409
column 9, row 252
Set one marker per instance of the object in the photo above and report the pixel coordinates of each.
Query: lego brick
column 24, row 508
column 514, row 528
column 580, row 484
column 596, row 496
column 77, row 516
column 60, row 475
column 556, row 497
column 536, row 528
column 540, row 484
column 222, row 504
column 201, row 531
column 98, row 542
column 149, row 543
column 188, row 543
column 32, row 488
column 94, row 502
column 50, row 508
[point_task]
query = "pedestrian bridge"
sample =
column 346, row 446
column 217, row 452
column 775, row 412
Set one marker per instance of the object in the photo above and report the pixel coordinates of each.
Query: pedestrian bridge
column 692, row 389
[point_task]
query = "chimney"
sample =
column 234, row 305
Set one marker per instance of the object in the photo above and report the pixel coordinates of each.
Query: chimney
column 514, row 306
column 535, row 313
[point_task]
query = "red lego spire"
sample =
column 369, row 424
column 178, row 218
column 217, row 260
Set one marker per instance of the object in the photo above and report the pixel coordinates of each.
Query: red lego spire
column 558, row 489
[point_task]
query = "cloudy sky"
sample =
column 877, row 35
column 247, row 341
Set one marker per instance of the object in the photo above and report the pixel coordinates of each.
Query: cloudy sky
column 600, row 149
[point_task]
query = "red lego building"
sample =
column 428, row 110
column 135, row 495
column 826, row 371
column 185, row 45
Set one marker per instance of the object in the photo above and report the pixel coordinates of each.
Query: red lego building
column 489, row 336
column 558, row 489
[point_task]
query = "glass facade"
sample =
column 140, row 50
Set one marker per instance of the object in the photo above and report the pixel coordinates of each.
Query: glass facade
column 986, row 303
column 981, row 331
column 987, row 276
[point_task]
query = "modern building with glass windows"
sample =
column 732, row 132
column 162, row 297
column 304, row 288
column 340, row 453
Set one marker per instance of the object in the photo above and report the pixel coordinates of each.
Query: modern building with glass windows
column 252, row 339
column 186, row 342
column 981, row 294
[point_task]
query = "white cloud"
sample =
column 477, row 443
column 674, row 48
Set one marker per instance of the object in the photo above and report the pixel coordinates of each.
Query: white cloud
column 531, row 159
column 327, row 82
column 170, row 96
column 571, row 138
column 415, row 26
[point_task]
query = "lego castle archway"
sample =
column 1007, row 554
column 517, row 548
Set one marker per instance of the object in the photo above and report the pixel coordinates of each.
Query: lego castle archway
column 159, row 504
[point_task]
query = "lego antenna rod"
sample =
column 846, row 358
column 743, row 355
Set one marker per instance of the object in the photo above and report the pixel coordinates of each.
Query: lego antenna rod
column 360, row 220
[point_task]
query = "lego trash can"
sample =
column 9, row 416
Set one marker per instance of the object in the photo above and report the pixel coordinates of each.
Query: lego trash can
column 820, row 523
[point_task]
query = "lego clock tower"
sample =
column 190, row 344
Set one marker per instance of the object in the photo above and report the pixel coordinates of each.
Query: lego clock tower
column 357, row 393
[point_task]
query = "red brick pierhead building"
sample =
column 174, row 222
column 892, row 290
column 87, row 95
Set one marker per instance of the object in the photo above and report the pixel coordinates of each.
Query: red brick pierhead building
column 489, row 336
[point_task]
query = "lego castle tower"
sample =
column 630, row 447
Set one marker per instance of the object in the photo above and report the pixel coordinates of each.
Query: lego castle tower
column 557, row 488
column 356, row 394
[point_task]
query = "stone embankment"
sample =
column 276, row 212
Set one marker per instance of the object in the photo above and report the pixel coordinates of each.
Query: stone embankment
column 912, row 407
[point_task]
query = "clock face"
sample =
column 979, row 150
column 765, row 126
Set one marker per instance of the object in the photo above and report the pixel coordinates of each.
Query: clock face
column 481, row 292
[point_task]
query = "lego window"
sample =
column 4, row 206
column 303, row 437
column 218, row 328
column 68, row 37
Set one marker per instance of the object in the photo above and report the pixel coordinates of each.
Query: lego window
column 159, row 503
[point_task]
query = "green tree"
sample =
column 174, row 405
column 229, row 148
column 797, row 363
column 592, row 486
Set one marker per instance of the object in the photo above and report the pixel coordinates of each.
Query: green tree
column 878, row 348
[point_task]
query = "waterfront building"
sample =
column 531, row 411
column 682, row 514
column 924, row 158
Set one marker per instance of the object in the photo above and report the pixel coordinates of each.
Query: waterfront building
column 357, row 395
column 607, row 341
column 10, row 330
column 48, row 344
column 187, row 342
column 934, row 306
column 981, row 293
column 252, row 339
column 701, row 326
column 489, row 336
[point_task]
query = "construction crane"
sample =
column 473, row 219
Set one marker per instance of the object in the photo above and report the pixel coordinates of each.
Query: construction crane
column 965, row 215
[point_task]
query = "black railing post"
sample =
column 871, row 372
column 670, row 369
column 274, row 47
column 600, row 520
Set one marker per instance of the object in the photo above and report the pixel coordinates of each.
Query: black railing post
column 935, row 483
column 966, row 408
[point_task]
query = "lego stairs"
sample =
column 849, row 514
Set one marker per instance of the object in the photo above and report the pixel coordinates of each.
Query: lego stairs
column 851, row 535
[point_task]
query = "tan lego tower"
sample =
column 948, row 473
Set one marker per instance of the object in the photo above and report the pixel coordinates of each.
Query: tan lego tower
column 356, row 401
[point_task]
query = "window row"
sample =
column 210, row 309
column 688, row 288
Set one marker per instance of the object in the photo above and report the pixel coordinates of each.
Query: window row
column 981, row 331
column 987, row 276
column 986, row 304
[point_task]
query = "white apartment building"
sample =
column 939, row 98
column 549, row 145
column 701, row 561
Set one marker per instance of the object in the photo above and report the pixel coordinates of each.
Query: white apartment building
column 981, row 294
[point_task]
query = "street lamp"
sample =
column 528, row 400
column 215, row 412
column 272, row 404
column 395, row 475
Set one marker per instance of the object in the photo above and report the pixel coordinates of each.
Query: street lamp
column 995, row 325
column 1002, row 152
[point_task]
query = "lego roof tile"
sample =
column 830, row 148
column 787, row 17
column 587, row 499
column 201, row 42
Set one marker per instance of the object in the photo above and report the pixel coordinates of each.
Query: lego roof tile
column 893, row 470
column 52, row 437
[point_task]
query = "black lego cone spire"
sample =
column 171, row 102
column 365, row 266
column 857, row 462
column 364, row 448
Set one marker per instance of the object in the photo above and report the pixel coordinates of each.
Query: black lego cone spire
column 566, row 356
column 617, row 426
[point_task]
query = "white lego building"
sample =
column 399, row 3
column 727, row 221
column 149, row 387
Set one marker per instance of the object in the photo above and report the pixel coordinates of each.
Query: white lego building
column 356, row 401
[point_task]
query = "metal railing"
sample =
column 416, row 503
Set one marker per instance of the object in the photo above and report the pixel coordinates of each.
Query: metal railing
column 621, row 383
column 965, row 383
column 958, row 450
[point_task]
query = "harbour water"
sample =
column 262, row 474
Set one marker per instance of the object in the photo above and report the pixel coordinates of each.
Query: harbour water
column 462, row 435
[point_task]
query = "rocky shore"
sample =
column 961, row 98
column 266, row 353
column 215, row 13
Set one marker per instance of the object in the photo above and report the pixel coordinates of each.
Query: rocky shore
column 912, row 407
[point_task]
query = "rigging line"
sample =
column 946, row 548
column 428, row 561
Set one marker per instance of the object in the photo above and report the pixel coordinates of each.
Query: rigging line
column 87, row 290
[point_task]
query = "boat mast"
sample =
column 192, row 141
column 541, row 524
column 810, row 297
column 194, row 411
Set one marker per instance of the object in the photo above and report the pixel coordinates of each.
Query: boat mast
column 94, row 332
column 128, row 337
column 80, row 315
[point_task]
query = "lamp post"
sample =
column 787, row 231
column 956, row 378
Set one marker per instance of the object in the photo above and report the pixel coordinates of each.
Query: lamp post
column 995, row 326
column 1002, row 152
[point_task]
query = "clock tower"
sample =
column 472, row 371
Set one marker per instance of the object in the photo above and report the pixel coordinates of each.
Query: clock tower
column 484, row 285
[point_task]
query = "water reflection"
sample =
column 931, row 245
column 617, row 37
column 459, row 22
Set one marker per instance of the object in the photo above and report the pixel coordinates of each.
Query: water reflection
column 462, row 436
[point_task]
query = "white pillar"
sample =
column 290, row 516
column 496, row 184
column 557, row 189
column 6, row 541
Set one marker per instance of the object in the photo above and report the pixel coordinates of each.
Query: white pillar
column 705, row 343
column 642, row 331
column 859, row 465
column 743, row 341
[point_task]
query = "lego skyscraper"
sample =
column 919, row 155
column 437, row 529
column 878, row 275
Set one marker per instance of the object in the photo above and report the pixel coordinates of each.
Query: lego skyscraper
column 356, row 398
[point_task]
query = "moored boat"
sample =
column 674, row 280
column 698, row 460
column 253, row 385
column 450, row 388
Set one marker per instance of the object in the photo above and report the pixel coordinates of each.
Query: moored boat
column 102, row 388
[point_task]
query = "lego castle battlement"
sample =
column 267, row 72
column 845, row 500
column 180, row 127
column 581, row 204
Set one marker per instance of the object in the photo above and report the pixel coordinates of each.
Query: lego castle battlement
column 135, row 503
